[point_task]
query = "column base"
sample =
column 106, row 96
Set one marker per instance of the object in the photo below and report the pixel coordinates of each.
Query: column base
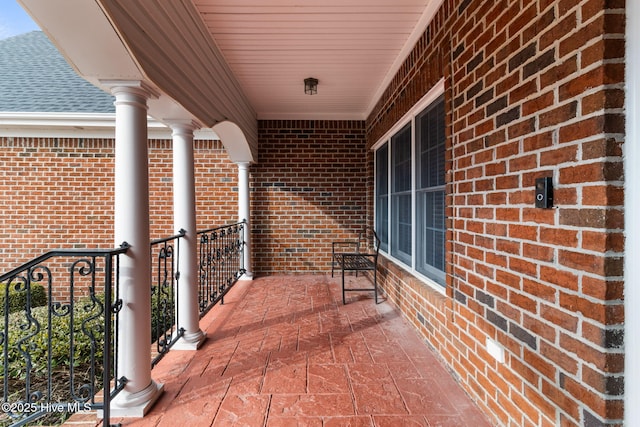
column 246, row 276
column 192, row 341
column 134, row 405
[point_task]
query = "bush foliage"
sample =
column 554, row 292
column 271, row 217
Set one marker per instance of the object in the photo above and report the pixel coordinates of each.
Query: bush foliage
column 18, row 298
column 30, row 335
column 51, row 339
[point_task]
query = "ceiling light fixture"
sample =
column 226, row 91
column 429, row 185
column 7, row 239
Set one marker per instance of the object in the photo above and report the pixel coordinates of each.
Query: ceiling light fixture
column 310, row 86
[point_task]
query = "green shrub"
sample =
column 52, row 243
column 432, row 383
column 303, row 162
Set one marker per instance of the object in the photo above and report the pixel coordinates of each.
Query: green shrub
column 18, row 299
column 32, row 336
column 88, row 322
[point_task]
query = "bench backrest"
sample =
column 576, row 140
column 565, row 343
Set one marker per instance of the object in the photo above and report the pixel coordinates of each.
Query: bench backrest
column 369, row 241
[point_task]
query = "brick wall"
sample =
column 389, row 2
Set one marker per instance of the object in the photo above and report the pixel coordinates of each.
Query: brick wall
column 309, row 187
column 532, row 89
column 58, row 193
column 47, row 198
column 216, row 185
column 216, row 180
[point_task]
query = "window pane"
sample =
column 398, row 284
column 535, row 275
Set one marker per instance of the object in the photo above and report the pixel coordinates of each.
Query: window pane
column 401, row 146
column 401, row 227
column 382, row 221
column 430, row 197
column 382, row 196
column 430, row 138
column 401, row 232
column 382, row 175
column 431, row 234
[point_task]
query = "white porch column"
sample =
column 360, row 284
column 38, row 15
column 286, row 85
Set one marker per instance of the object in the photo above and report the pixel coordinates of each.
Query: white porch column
column 244, row 213
column 184, row 217
column 131, row 224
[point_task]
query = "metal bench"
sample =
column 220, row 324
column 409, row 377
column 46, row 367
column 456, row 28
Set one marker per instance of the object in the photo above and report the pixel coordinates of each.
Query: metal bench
column 357, row 255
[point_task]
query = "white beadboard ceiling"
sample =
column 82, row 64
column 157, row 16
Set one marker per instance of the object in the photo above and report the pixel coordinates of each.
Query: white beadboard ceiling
column 353, row 47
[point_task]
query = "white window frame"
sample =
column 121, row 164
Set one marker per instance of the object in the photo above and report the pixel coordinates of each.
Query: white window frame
column 436, row 91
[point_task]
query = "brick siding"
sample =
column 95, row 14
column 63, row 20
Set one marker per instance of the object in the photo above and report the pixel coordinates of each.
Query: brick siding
column 58, row 193
column 532, row 89
column 309, row 188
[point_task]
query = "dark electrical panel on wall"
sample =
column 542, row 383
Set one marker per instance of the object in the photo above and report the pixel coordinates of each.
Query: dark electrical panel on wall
column 544, row 192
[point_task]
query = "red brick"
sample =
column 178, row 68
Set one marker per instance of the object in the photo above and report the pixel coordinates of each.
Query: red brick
column 582, row 261
column 560, row 318
column 602, row 242
column 583, row 173
column 564, row 25
column 524, row 232
column 592, row 355
column 541, row 402
column 564, row 402
column 523, row 302
column 601, row 195
column 538, row 141
column 539, row 328
column 539, row 216
column 538, row 252
column 558, row 236
column 602, row 289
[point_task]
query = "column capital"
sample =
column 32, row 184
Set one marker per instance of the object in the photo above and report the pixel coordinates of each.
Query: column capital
column 243, row 165
column 134, row 87
column 182, row 126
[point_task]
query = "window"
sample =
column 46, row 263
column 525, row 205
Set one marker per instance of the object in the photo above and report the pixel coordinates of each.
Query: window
column 410, row 192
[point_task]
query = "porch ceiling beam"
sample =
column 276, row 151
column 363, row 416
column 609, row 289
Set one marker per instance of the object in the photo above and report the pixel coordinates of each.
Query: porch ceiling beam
column 173, row 47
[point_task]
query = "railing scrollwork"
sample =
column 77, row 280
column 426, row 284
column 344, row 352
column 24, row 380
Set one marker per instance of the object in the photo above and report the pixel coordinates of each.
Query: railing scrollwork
column 165, row 255
column 58, row 351
column 221, row 263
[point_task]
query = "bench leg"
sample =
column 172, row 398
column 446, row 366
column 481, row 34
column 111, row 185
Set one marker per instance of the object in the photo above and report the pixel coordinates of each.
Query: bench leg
column 375, row 283
column 344, row 299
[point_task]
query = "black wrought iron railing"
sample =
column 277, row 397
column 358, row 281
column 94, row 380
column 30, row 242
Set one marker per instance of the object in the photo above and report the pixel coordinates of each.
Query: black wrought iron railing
column 221, row 263
column 58, row 348
column 165, row 257
column 221, row 258
column 60, row 321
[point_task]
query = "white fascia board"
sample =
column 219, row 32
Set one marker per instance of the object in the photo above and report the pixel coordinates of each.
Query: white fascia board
column 78, row 125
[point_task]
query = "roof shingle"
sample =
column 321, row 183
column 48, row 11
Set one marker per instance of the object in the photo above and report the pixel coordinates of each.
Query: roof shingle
column 35, row 77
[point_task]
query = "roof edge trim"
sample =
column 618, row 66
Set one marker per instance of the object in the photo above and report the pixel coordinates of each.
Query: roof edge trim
column 79, row 125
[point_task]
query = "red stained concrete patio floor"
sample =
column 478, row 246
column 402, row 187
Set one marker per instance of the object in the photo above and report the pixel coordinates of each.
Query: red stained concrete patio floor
column 285, row 351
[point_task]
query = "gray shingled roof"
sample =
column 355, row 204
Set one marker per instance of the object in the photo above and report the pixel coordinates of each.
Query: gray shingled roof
column 34, row 77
